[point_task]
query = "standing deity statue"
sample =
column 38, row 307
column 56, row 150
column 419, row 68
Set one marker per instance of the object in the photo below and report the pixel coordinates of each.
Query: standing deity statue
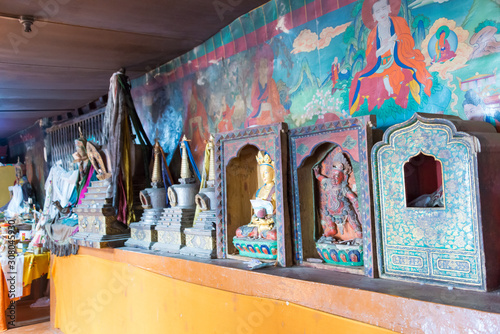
column 338, row 203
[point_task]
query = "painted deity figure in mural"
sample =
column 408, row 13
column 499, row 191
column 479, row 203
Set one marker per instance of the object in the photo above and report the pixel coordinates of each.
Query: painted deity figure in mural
column 338, row 204
column 394, row 69
column 197, row 124
column 226, row 113
column 475, row 109
column 266, row 106
column 442, row 47
column 335, row 74
column 262, row 223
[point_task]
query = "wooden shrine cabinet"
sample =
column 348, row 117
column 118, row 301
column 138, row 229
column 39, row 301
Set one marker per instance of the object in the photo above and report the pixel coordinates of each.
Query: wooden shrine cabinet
column 436, row 186
column 320, row 206
column 237, row 180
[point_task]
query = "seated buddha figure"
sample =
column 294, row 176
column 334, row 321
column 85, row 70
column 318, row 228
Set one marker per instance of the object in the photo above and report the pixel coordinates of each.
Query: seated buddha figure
column 22, row 181
column 22, row 194
column 262, row 222
column 338, row 204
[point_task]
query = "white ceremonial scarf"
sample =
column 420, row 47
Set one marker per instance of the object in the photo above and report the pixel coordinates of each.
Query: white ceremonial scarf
column 58, row 187
column 16, row 202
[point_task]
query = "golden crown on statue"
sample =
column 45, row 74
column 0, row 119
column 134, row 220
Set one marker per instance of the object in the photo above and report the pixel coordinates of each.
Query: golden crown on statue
column 263, row 158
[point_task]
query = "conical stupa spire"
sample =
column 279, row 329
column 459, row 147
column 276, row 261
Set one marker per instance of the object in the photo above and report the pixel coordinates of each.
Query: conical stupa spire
column 156, row 178
column 185, row 171
column 211, row 167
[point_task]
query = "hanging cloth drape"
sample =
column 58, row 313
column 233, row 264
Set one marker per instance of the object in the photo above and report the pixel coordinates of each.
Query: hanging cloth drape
column 119, row 119
column 191, row 160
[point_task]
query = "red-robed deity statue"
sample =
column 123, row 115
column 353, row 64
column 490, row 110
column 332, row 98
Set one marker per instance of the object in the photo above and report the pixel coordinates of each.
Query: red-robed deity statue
column 338, row 204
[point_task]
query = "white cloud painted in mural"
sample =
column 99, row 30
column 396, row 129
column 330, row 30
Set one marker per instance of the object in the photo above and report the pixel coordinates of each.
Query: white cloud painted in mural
column 421, row 3
column 305, row 42
column 308, row 41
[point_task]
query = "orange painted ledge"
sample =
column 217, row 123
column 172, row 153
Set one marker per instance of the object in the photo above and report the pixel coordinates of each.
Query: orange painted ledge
column 393, row 305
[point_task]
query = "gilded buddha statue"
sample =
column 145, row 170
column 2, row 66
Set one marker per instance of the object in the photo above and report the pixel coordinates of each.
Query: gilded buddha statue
column 262, row 224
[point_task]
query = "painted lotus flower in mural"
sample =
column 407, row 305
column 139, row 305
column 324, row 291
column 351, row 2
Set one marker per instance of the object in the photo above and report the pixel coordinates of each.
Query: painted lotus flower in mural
column 323, row 105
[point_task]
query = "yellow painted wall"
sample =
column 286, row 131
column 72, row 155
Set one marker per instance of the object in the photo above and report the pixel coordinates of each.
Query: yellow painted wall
column 94, row 295
column 7, row 178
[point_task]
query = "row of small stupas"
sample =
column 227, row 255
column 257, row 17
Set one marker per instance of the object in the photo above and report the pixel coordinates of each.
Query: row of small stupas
column 174, row 229
column 161, row 228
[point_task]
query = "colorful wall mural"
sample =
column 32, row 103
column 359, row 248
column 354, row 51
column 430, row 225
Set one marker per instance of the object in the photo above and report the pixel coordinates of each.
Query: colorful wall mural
column 310, row 61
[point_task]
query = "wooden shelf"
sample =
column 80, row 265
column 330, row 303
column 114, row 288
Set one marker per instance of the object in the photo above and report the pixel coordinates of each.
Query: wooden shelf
column 394, row 305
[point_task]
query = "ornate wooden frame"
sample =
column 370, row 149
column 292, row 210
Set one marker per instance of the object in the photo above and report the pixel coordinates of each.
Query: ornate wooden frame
column 465, row 227
column 270, row 138
column 336, row 132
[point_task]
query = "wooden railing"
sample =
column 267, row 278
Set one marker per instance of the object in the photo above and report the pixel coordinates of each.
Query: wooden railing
column 61, row 137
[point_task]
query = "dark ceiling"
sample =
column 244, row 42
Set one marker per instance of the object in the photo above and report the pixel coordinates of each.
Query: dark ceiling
column 76, row 45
